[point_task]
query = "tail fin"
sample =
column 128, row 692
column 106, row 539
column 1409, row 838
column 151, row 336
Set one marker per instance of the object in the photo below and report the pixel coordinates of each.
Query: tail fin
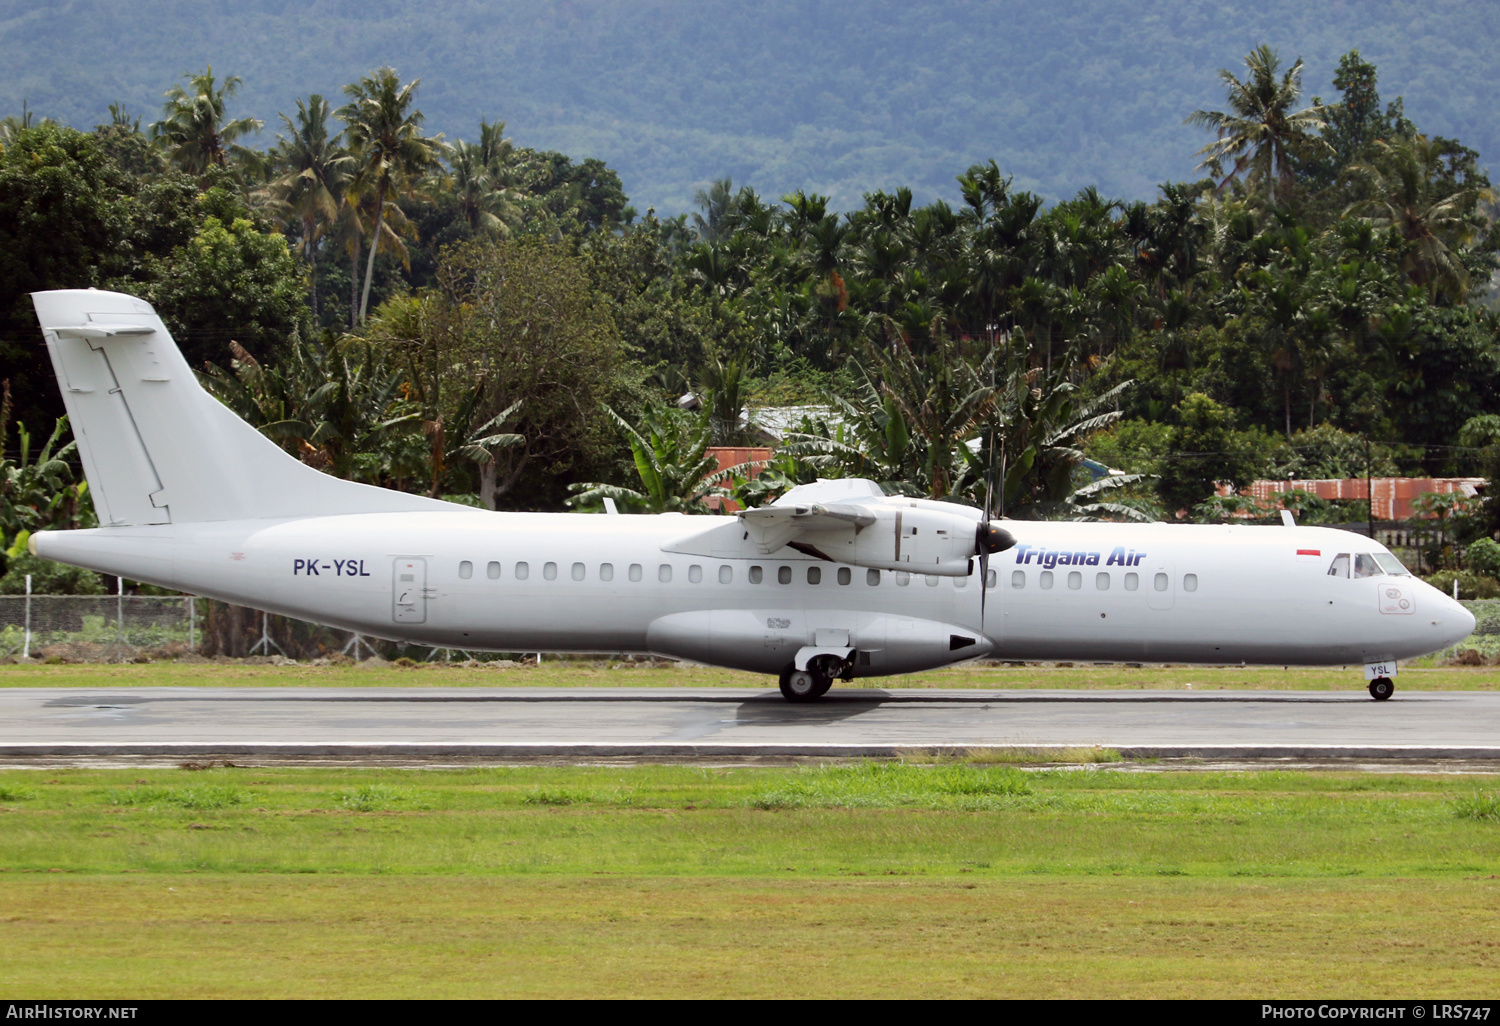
column 157, row 448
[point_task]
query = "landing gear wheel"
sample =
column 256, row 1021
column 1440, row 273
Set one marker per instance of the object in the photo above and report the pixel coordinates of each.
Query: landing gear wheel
column 1382, row 688
column 802, row 685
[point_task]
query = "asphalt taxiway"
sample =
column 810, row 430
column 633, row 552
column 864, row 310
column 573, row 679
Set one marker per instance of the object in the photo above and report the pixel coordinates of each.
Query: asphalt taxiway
column 417, row 724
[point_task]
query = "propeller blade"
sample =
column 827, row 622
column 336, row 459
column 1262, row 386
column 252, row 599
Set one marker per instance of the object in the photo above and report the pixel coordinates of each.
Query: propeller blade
column 989, row 539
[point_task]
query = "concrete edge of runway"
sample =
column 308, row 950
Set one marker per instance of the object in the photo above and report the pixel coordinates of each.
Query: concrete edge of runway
column 356, row 753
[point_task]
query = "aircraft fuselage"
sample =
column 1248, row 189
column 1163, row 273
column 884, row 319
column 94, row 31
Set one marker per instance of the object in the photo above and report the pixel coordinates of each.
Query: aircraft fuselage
column 480, row 580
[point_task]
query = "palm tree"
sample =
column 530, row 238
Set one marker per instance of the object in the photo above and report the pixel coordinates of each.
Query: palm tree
column 719, row 204
column 495, row 150
column 1399, row 182
column 486, row 204
column 387, row 133
column 1260, row 132
column 317, row 176
column 194, row 129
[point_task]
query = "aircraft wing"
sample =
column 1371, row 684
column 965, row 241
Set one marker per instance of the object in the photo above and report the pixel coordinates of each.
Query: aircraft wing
column 771, row 527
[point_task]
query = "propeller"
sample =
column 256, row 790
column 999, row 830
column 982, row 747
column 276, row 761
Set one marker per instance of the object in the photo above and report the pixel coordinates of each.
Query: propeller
column 988, row 539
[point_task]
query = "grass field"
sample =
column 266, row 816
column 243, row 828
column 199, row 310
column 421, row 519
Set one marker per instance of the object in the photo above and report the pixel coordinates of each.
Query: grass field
column 583, row 673
column 861, row 880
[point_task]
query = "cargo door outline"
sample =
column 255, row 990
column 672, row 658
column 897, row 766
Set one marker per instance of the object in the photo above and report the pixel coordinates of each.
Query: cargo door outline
column 409, row 590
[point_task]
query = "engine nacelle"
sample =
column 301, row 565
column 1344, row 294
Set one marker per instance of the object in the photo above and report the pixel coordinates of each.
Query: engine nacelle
column 916, row 538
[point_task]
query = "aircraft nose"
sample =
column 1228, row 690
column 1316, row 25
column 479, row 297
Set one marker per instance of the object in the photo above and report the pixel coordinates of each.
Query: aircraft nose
column 1463, row 621
column 1456, row 622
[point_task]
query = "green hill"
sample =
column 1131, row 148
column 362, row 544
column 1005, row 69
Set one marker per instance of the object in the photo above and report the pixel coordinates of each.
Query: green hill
column 835, row 98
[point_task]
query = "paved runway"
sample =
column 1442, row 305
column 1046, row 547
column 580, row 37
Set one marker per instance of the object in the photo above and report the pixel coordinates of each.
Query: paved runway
column 499, row 723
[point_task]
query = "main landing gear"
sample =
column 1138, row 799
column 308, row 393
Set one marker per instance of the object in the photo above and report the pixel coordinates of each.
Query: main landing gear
column 812, row 683
column 1382, row 688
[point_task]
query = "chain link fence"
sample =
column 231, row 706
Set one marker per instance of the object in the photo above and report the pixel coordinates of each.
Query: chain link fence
column 127, row 628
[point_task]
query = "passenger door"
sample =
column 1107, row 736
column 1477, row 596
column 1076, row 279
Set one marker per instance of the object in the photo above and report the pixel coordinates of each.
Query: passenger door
column 409, row 590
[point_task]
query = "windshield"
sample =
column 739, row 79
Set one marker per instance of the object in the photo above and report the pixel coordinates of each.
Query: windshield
column 1390, row 564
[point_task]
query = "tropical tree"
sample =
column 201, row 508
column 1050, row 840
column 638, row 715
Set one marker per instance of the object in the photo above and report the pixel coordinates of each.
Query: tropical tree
column 1260, row 132
column 341, row 410
column 670, row 451
column 477, row 183
column 1032, row 444
column 385, row 130
column 37, row 490
column 194, row 128
column 719, row 204
column 1402, row 195
column 317, row 176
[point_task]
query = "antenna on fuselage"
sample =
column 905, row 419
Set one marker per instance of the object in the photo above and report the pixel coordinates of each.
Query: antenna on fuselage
column 1287, row 520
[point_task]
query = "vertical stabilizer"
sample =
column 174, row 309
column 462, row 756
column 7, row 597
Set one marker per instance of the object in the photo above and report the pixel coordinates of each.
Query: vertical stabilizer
column 157, row 448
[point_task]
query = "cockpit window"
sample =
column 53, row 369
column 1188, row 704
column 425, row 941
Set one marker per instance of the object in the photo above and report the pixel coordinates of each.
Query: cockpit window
column 1390, row 564
column 1365, row 566
column 1340, row 565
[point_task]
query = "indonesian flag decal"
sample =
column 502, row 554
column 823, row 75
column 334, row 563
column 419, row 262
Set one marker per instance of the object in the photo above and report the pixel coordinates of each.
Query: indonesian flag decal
column 1309, row 553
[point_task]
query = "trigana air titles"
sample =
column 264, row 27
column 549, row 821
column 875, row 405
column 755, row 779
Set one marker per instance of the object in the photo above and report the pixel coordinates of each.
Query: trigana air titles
column 833, row 581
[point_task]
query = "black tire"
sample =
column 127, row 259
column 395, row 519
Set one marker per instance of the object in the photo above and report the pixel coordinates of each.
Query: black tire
column 799, row 685
column 1382, row 688
column 824, row 684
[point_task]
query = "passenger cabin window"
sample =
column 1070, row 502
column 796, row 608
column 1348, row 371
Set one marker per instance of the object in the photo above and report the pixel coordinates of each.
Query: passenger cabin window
column 902, row 578
column 1046, row 580
column 1365, row 565
column 726, row 574
column 549, row 571
column 1190, row 582
column 635, row 573
column 872, row 578
column 695, row 574
column 1340, row 565
column 1160, row 582
column 844, row 575
column 465, row 570
column 606, row 571
column 1132, row 582
column 664, row 573
column 579, row 572
column 1101, row 581
column 757, row 575
column 932, row 582
column 989, row 579
column 814, row 575
column 523, row 571
column 1075, row 580
column 783, row 575
column 1018, row 578
column 492, row 570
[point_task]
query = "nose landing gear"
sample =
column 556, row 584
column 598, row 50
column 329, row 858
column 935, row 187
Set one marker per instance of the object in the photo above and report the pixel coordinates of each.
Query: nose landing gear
column 1382, row 688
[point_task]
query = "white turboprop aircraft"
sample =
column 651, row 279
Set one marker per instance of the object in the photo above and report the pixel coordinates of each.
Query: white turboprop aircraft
column 835, row 580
